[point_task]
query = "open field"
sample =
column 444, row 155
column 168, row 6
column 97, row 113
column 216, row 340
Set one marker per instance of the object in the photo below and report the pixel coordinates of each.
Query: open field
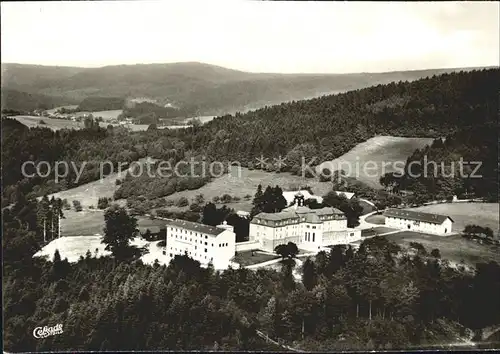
column 53, row 110
column 376, row 231
column 245, row 258
column 74, row 247
column 89, row 193
column 85, row 222
column 378, row 150
column 455, row 248
column 483, row 214
column 91, row 222
column 106, row 115
column 247, row 182
column 54, row 124
column 144, row 222
column 376, row 219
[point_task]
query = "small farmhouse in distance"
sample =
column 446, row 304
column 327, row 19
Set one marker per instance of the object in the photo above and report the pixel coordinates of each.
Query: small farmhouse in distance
column 243, row 213
column 290, row 196
column 418, row 221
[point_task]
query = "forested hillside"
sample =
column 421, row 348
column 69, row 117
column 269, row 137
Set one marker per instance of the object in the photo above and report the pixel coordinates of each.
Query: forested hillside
column 18, row 102
column 329, row 126
column 477, row 176
column 200, row 89
column 379, row 297
column 323, row 128
column 86, row 148
column 24, row 77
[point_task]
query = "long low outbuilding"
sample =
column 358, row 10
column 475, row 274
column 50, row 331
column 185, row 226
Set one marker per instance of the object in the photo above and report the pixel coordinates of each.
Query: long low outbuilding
column 418, row 221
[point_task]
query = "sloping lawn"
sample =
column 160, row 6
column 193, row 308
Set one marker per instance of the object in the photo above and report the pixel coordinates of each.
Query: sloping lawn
column 375, row 231
column 245, row 258
column 482, row 214
column 454, row 248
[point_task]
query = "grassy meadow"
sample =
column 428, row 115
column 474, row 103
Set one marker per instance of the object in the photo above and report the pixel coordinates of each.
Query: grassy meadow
column 89, row 193
column 376, row 219
column 53, row 110
column 54, row 124
column 483, row 214
column 245, row 258
column 246, row 183
column 454, row 248
column 91, row 223
column 377, row 150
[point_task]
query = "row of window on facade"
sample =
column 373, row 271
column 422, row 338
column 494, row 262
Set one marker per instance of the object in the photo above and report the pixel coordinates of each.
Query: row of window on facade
column 206, row 243
column 415, row 222
column 185, row 231
column 294, row 226
column 189, row 253
column 308, row 237
column 303, row 219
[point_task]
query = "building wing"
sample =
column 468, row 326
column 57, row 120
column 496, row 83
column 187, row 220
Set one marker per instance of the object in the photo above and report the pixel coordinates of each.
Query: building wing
column 416, row 216
column 193, row 226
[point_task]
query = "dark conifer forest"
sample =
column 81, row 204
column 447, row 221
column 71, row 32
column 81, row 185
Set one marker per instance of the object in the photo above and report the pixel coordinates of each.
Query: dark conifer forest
column 377, row 297
column 329, row 126
column 462, row 106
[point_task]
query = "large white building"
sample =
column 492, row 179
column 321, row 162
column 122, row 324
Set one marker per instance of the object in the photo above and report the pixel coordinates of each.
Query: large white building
column 309, row 229
column 203, row 243
column 417, row 221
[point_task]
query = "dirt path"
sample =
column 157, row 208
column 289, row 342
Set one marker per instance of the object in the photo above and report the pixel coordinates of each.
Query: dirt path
column 282, row 345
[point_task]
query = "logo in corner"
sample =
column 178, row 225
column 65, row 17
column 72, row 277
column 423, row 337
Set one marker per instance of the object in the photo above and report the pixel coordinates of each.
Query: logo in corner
column 45, row 331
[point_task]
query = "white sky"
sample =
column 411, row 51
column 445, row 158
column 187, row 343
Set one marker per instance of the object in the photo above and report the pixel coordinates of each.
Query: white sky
column 253, row 36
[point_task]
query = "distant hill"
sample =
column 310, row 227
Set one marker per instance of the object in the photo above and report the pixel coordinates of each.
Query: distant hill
column 461, row 106
column 197, row 88
column 23, row 102
column 329, row 126
column 24, row 77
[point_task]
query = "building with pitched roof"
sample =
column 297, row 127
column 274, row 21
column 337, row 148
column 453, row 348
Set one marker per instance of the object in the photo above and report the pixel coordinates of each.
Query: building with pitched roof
column 417, row 221
column 204, row 243
column 309, row 229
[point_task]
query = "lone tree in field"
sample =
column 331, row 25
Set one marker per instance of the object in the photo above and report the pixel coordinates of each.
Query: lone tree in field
column 103, row 203
column 77, row 205
column 120, row 228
